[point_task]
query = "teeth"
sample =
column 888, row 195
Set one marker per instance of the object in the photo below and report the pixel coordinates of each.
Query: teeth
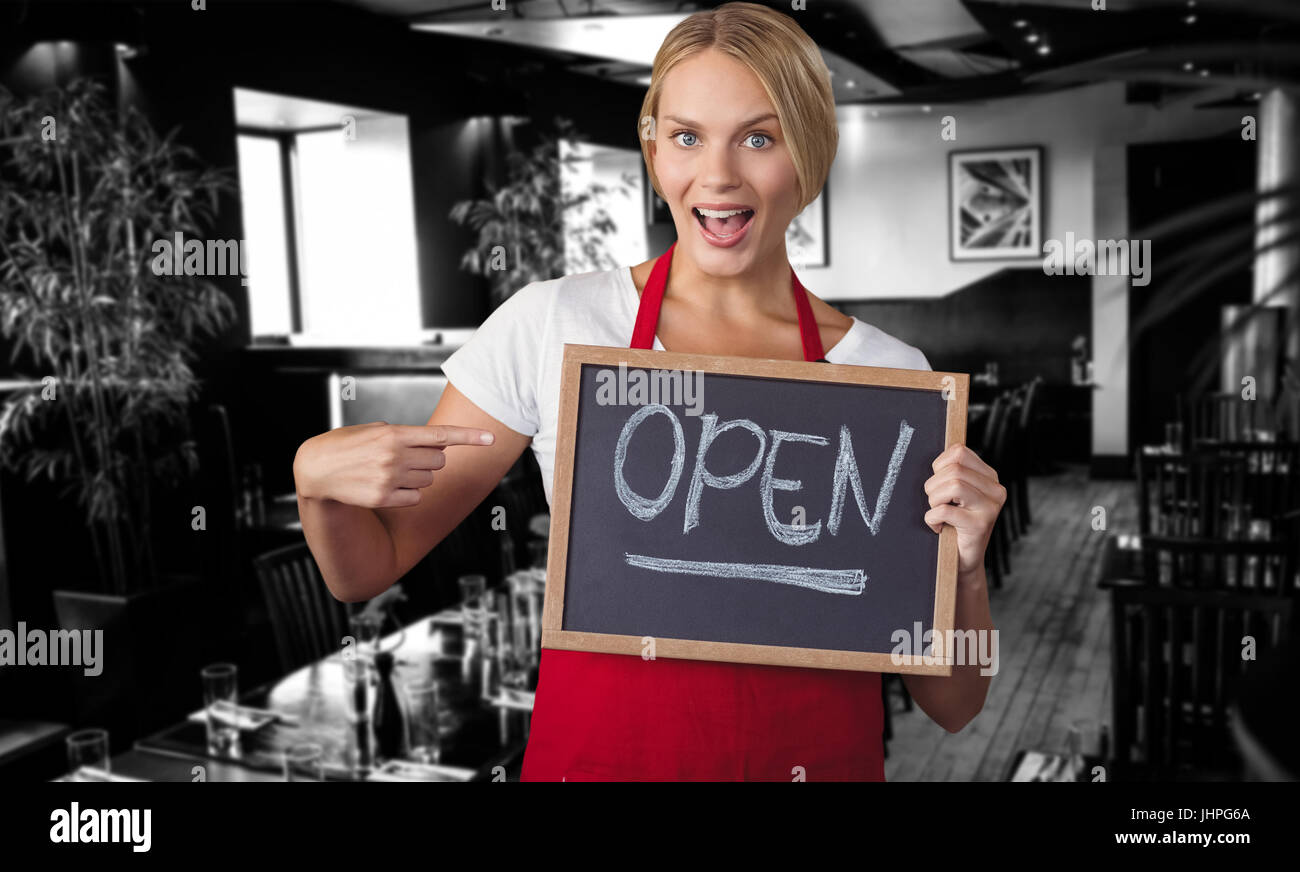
column 721, row 213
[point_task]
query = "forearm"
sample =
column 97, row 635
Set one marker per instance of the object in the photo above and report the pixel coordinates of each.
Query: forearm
column 352, row 547
column 952, row 701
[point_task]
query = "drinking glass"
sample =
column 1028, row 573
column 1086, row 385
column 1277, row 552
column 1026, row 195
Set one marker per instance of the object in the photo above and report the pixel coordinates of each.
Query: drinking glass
column 220, row 699
column 304, row 762
column 1077, row 744
column 365, row 630
column 87, row 749
column 1174, row 435
column 495, row 656
column 527, row 598
column 423, row 736
column 473, row 606
column 472, row 588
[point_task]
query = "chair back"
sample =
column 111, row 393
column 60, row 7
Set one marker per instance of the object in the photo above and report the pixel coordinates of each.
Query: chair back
column 1002, row 448
column 307, row 621
column 1257, row 566
column 1225, row 490
column 1225, row 417
column 1270, row 491
column 1178, row 657
column 1189, row 494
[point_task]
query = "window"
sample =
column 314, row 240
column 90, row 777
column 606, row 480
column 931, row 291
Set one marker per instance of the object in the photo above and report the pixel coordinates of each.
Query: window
column 329, row 220
column 262, row 187
column 619, row 171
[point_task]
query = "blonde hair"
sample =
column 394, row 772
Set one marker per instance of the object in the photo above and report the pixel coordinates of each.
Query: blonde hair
column 786, row 62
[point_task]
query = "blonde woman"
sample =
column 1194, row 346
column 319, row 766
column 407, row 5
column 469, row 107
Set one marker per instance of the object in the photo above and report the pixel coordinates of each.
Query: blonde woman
column 742, row 138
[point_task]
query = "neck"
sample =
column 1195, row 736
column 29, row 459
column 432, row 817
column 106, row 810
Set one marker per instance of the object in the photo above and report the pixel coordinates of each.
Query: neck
column 764, row 288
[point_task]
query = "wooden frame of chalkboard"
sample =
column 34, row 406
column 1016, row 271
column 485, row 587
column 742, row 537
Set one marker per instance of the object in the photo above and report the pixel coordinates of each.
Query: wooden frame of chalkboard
column 952, row 386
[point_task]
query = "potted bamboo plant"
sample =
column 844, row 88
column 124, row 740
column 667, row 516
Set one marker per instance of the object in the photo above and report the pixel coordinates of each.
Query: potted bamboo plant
column 102, row 343
column 529, row 219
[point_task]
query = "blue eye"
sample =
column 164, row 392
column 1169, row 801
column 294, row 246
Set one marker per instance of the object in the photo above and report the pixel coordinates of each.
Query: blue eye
column 762, row 136
column 683, row 133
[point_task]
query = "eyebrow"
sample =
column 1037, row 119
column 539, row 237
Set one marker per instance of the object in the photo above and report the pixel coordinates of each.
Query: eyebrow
column 746, row 123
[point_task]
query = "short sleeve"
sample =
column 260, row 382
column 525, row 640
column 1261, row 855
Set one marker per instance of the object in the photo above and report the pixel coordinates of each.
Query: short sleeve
column 497, row 369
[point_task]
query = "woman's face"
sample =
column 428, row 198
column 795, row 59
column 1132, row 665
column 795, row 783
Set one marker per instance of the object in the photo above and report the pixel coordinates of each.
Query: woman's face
column 719, row 146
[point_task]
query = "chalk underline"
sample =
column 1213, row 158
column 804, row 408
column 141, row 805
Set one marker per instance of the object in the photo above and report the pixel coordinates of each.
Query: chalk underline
column 842, row 581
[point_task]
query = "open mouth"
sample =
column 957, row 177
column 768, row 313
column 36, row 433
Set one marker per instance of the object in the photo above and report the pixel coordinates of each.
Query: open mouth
column 723, row 223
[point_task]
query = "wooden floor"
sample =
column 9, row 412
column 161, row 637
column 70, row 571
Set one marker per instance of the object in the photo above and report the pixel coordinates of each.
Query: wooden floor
column 1054, row 642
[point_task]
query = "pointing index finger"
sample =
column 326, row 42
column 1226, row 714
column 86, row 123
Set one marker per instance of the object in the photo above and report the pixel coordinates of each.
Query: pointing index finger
column 441, row 435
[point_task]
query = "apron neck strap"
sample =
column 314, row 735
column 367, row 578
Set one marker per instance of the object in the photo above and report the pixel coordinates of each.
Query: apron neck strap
column 647, row 316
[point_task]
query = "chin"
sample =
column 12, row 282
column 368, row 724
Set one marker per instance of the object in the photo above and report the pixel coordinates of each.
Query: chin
column 721, row 262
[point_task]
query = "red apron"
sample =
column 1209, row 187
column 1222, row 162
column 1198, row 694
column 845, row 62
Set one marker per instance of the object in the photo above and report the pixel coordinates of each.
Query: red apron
column 601, row 717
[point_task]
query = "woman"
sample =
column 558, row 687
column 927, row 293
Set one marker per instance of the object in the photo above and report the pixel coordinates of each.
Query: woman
column 738, row 132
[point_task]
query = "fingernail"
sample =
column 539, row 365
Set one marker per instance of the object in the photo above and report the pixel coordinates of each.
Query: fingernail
column 486, row 438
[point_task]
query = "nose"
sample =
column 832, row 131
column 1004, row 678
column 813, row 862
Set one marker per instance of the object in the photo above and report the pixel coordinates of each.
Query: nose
column 718, row 170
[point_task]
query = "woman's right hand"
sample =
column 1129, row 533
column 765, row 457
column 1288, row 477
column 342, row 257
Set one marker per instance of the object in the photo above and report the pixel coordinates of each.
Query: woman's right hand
column 377, row 465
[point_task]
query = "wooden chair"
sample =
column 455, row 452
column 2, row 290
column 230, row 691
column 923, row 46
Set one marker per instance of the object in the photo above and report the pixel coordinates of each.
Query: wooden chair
column 307, row 621
column 1027, row 448
column 995, row 560
column 1270, row 486
column 1244, row 565
column 1010, row 465
column 1224, row 417
column 1178, row 640
column 1189, row 494
column 999, row 457
column 1220, row 490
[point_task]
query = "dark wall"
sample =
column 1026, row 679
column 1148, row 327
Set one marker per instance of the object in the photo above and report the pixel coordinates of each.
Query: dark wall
column 1020, row 318
column 1165, row 179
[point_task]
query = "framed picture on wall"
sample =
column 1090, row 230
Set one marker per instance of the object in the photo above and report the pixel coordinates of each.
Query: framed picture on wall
column 995, row 201
column 807, row 239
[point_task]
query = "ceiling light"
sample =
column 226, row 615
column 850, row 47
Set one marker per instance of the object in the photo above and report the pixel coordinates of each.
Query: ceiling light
column 1202, row 72
column 1020, row 22
column 1044, row 49
column 925, row 108
column 1189, row 19
column 849, row 83
column 1188, row 66
column 1031, row 37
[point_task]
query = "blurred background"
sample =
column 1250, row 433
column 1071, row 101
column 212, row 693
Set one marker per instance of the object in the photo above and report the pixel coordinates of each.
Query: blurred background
column 226, row 227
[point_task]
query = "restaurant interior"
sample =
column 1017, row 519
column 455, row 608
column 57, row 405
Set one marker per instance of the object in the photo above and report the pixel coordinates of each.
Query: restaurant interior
column 1091, row 211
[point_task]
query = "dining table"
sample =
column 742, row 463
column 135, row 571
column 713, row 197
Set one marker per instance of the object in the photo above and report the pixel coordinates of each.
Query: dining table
column 482, row 737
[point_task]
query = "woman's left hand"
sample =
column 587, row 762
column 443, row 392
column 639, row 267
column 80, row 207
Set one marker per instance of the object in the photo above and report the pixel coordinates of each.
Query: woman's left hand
column 964, row 492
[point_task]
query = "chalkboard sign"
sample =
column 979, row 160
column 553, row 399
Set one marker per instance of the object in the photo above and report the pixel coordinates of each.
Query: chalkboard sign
column 750, row 510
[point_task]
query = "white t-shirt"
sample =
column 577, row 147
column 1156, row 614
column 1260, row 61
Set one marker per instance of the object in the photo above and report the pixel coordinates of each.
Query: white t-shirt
column 510, row 367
